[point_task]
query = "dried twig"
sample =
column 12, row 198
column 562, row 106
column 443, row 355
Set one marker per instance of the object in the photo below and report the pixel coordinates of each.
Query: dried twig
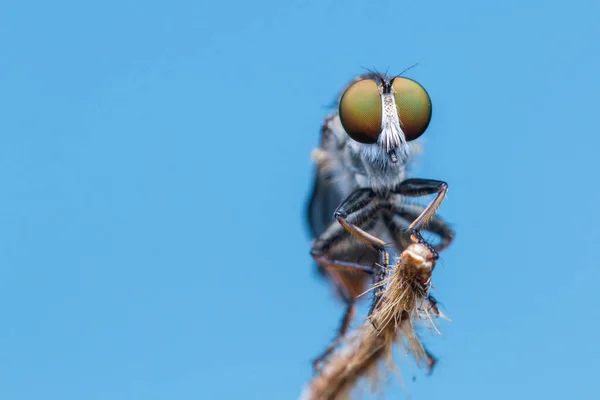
column 404, row 303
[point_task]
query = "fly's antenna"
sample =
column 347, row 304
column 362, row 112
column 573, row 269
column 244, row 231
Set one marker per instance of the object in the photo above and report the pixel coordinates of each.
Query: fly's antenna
column 406, row 69
column 375, row 73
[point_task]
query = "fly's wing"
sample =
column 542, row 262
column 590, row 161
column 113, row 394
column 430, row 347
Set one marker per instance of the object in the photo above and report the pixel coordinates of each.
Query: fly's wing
column 333, row 182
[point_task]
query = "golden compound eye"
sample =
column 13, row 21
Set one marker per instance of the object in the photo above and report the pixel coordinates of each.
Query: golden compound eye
column 360, row 111
column 414, row 107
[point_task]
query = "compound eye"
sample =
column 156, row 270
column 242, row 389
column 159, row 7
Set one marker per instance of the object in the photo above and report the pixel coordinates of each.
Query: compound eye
column 360, row 111
column 414, row 107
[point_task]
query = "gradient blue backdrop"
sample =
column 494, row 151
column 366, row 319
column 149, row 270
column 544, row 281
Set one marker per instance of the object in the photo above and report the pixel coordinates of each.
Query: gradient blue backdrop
column 154, row 168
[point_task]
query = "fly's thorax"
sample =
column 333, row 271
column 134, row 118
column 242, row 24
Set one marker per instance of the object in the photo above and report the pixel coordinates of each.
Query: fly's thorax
column 340, row 147
column 338, row 169
column 336, row 131
column 384, row 180
column 379, row 172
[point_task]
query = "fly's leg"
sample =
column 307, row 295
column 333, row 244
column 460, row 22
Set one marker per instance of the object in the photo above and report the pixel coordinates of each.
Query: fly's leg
column 360, row 199
column 332, row 237
column 344, row 325
column 423, row 218
column 410, row 212
column 378, row 291
column 357, row 208
column 430, row 360
column 398, row 223
column 347, row 212
column 432, row 306
column 418, row 188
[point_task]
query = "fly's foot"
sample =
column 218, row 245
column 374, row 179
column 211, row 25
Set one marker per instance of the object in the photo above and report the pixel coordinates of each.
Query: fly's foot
column 431, row 361
column 317, row 364
column 319, row 361
column 322, row 358
column 417, row 238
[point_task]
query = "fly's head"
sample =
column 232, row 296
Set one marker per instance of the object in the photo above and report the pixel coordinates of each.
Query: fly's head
column 382, row 114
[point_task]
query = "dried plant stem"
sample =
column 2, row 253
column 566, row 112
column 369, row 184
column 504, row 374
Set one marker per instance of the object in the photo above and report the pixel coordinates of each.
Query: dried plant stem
column 403, row 304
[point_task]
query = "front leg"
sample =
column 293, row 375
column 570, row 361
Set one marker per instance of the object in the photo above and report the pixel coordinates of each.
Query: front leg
column 333, row 241
column 358, row 207
column 344, row 213
column 404, row 214
column 418, row 188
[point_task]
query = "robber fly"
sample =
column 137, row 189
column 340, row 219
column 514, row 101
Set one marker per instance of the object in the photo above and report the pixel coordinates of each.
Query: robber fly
column 360, row 188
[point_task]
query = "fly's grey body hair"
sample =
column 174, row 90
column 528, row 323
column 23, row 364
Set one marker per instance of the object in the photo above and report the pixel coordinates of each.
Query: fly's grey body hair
column 370, row 164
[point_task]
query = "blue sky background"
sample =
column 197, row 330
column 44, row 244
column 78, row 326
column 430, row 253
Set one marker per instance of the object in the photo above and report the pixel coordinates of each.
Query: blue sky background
column 154, row 169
